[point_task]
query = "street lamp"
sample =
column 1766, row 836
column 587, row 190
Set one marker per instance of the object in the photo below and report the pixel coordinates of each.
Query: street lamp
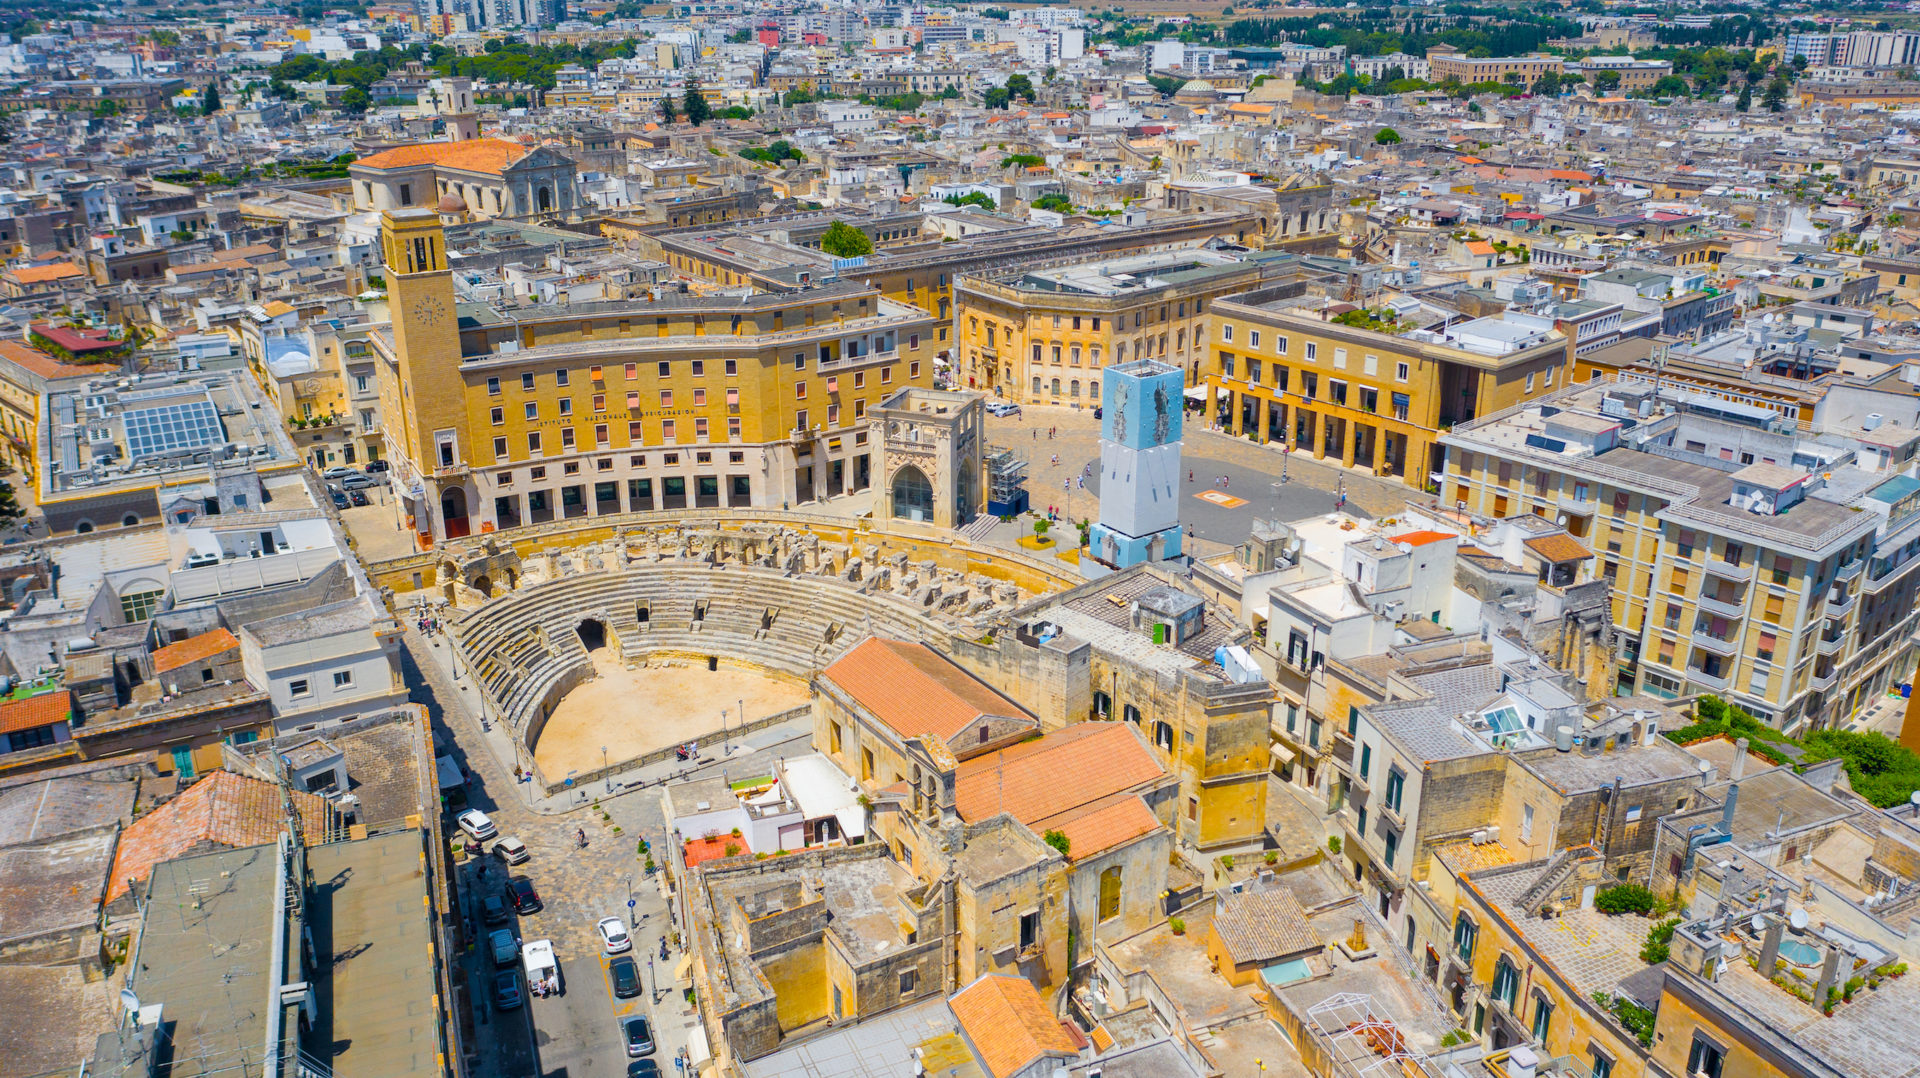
column 603, row 769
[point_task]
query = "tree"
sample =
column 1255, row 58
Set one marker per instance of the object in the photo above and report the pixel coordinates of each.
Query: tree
column 1746, row 97
column 10, row 509
column 355, row 99
column 996, row 98
column 842, row 240
column 210, row 101
column 1606, row 81
column 1386, row 136
column 695, row 104
column 667, row 115
column 1058, row 840
column 1668, row 86
column 1776, row 97
column 1547, row 85
column 1021, row 87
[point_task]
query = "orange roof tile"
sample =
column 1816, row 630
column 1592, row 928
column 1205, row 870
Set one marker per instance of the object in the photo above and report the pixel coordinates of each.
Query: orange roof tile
column 1108, row 826
column 469, row 155
column 914, row 689
column 1558, row 548
column 1421, row 538
column 192, row 650
column 1007, row 1025
column 223, row 809
column 1104, row 758
column 52, row 271
column 1480, row 247
column 46, row 366
column 35, row 711
column 1569, row 174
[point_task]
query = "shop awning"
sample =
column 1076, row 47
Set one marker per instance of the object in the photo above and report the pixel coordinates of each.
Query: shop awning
column 1282, row 754
column 1197, row 393
column 683, row 971
column 449, row 771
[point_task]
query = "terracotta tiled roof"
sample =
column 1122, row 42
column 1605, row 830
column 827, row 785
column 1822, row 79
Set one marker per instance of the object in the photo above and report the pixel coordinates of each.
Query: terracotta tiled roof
column 1007, row 1024
column 914, row 689
column 1264, row 926
column 1422, row 538
column 192, row 650
column 1569, row 174
column 223, row 809
column 470, row 155
column 46, row 366
column 35, row 711
column 1110, row 825
column 1559, row 548
column 52, row 271
column 1480, row 247
column 1103, row 758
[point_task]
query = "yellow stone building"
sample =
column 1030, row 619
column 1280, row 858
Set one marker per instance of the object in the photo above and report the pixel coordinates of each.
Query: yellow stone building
column 1375, row 389
column 1042, row 337
column 498, row 419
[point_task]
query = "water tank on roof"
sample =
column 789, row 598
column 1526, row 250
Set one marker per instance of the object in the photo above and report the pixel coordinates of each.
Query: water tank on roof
column 1563, row 738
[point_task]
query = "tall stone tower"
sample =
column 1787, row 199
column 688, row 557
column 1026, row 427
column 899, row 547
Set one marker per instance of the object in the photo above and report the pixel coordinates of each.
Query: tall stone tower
column 426, row 420
column 1139, row 464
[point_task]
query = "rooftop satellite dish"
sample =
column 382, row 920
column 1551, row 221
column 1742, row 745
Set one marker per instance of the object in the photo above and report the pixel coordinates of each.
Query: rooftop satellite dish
column 1759, row 923
column 130, row 1006
column 1798, row 919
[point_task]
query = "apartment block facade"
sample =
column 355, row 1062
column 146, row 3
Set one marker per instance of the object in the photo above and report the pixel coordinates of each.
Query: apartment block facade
column 1043, row 337
column 1282, row 371
column 507, row 419
column 1745, row 561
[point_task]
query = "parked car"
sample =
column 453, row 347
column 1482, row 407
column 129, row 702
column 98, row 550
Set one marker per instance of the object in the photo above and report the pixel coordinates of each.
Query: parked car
column 510, row 850
column 1002, row 408
column 478, row 825
column 358, row 481
column 506, row 990
column 493, row 910
column 519, row 891
column 505, row 948
column 625, row 974
column 613, row 935
column 639, row 1036
column 377, row 467
column 643, row 1068
column 358, row 497
column 332, row 475
column 339, row 499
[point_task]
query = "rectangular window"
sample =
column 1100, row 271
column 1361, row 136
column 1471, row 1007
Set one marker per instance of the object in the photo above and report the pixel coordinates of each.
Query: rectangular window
column 566, row 405
column 1029, row 929
column 599, row 402
column 532, row 410
column 299, row 687
column 1705, row 1057
column 1366, row 758
column 526, row 381
column 1396, row 786
column 560, row 377
column 498, row 415
column 493, row 387
column 533, row 443
column 343, row 679
column 1253, row 338
column 499, row 449
column 1401, row 372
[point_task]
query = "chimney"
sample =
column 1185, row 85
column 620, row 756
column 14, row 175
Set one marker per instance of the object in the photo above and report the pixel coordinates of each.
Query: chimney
column 1769, row 948
column 1739, row 761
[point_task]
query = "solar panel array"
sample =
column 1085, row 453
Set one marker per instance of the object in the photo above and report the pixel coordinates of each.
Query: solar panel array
column 172, row 428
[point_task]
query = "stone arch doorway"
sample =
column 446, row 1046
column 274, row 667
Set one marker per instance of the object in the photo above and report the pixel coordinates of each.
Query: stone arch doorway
column 593, row 634
column 963, row 507
column 453, row 512
column 483, row 585
column 544, row 199
column 912, row 495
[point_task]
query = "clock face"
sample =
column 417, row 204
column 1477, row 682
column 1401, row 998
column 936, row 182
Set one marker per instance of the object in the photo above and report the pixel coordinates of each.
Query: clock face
column 430, row 311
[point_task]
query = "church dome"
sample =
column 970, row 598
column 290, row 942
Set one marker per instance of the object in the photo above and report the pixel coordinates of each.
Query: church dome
column 451, row 203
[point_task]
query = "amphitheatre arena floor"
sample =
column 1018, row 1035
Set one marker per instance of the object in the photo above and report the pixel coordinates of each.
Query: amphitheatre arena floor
column 632, row 712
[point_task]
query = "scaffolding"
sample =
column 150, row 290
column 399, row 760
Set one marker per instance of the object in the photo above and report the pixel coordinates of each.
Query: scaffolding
column 1361, row 1039
column 1006, row 482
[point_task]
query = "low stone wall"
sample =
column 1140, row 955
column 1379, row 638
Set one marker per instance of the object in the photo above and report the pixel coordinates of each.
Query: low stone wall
column 658, row 756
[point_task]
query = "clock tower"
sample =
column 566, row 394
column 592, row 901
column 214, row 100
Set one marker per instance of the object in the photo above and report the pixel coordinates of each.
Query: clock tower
column 429, row 433
column 1139, row 464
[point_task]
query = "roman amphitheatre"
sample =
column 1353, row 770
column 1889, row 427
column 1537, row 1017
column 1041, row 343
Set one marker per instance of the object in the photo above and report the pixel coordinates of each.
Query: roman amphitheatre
column 639, row 642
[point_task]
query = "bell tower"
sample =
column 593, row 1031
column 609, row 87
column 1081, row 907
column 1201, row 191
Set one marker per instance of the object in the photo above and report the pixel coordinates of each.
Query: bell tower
column 431, row 430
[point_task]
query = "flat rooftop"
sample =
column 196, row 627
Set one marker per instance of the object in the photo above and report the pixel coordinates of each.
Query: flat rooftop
column 871, row 1048
column 373, row 934
column 31, row 811
column 55, row 884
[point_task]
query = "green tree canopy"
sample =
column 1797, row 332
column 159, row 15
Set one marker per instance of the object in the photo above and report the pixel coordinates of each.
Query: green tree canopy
column 842, row 240
column 1021, row 87
column 210, row 100
column 996, row 97
column 695, row 104
column 1386, row 136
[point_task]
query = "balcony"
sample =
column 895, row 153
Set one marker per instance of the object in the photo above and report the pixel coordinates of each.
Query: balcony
column 1840, row 603
column 845, row 361
column 1850, row 570
column 1830, row 645
column 1392, row 817
column 1823, row 682
column 1714, row 644
column 1728, row 570
column 1736, row 608
column 1716, row 682
column 1572, row 503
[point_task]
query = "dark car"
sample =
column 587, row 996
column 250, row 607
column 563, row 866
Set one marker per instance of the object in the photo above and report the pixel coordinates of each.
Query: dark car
column 493, row 909
column 358, row 497
column 520, row 893
column 374, row 467
column 506, row 990
column 625, row 975
column 639, row 1036
column 339, row 499
column 643, row 1068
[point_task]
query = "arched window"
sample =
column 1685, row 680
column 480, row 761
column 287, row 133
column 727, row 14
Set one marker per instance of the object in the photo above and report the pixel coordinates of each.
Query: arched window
column 1056, row 387
column 130, row 520
column 912, row 495
column 545, row 199
column 1073, row 388
column 1093, row 389
column 1110, row 893
column 1036, row 385
column 83, row 527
